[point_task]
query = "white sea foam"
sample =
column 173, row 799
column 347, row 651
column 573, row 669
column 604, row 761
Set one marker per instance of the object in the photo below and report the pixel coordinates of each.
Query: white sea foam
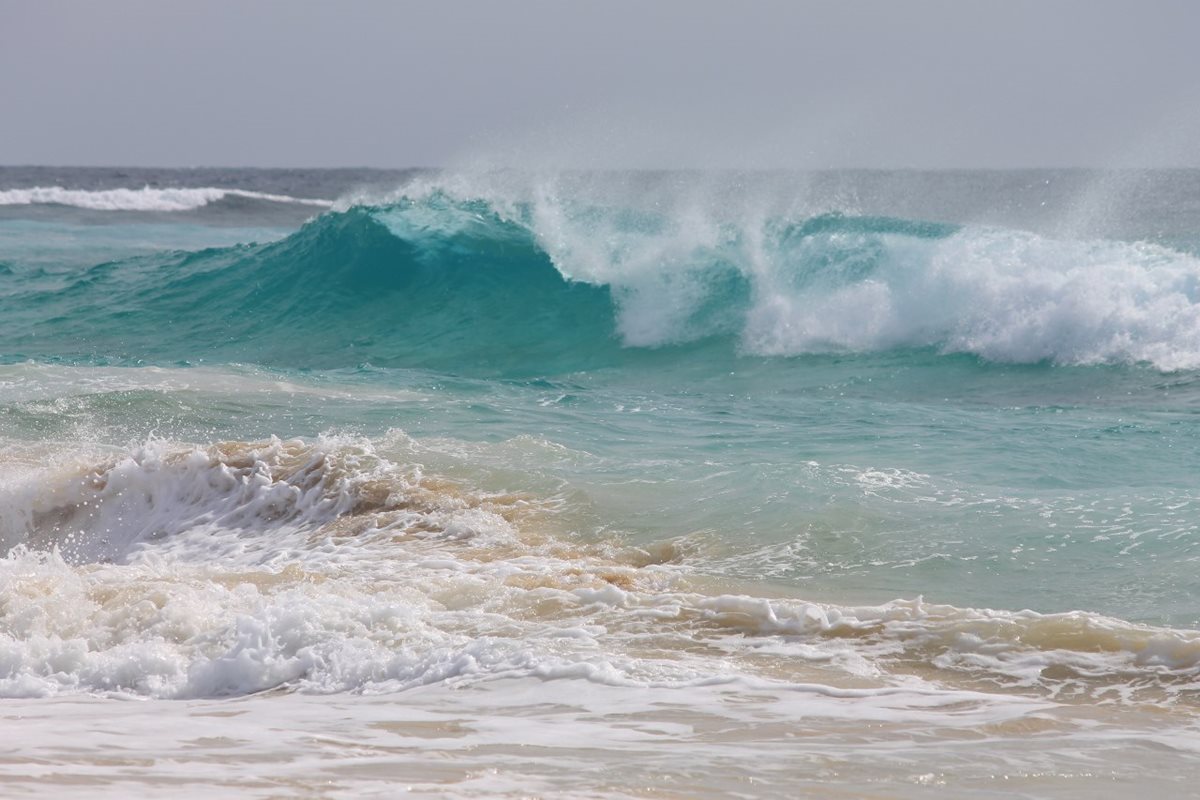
column 1004, row 295
column 145, row 199
column 173, row 571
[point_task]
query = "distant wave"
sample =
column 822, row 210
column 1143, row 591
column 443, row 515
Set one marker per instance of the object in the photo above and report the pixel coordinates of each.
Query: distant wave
column 145, row 199
column 473, row 284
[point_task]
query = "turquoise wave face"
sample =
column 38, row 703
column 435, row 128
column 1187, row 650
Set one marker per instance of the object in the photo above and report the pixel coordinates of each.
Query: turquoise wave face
column 342, row 291
column 475, row 288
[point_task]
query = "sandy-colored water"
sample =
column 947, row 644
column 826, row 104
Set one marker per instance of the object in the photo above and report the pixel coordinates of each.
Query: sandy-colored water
column 567, row 738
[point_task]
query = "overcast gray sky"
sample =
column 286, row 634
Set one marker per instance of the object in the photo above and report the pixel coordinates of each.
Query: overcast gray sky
column 529, row 83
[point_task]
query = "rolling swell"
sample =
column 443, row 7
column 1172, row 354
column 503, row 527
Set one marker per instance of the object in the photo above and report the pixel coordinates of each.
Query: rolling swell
column 475, row 285
column 342, row 291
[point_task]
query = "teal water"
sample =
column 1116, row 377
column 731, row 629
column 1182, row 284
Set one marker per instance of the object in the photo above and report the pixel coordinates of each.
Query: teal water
column 863, row 406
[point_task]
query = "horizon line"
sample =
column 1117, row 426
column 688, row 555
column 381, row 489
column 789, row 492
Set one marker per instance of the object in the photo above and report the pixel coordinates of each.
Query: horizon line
column 331, row 168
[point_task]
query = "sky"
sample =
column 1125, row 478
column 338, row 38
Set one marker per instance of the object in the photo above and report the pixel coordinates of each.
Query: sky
column 654, row 83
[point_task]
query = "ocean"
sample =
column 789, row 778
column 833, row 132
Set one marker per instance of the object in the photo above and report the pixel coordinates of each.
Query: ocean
column 360, row 483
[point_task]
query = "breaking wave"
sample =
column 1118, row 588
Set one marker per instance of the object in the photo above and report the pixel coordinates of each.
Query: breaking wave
column 431, row 279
